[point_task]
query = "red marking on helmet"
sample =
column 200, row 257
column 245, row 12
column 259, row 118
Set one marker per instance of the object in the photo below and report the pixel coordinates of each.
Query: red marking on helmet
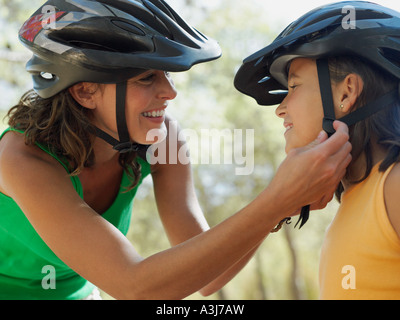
column 34, row 25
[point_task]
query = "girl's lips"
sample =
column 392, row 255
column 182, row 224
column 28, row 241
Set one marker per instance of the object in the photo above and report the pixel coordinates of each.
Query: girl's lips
column 288, row 126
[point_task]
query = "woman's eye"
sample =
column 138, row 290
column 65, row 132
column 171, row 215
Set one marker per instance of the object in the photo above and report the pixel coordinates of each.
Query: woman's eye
column 293, row 87
column 150, row 78
column 147, row 79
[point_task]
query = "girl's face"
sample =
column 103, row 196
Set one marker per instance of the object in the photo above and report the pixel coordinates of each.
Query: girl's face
column 146, row 100
column 301, row 110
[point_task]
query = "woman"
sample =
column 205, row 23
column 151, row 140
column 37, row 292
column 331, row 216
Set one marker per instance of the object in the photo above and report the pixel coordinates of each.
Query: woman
column 72, row 160
column 351, row 74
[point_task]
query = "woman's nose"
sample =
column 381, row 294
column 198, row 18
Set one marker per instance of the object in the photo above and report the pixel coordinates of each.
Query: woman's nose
column 167, row 88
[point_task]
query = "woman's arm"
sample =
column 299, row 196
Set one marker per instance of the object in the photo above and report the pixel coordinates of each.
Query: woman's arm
column 74, row 231
column 99, row 252
column 179, row 209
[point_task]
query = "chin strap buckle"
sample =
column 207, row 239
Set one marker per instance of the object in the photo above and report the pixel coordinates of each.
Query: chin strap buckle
column 327, row 125
column 126, row 147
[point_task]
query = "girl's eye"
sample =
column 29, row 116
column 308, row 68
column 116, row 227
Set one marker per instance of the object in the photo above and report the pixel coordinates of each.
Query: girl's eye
column 293, row 87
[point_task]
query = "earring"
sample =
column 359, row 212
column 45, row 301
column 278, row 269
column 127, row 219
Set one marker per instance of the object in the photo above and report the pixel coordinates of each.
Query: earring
column 341, row 106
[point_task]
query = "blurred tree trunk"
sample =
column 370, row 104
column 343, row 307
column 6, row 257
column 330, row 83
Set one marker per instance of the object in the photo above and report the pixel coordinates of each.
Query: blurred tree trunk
column 221, row 294
column 261, row 290
column 294, row 284
column 210, row 213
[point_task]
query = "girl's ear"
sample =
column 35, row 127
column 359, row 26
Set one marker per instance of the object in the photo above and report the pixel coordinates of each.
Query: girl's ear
column 84, row 94
column 348, row 92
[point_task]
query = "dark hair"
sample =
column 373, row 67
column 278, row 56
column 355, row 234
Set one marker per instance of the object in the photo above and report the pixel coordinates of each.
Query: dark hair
column 63, row 126
column 383, row 127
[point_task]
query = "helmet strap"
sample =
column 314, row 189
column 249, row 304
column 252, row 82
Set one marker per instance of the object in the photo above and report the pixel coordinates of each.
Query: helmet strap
column 326, row 95
column 370, row 108
column 329, row 116
column 353, row 117
column 124, row 144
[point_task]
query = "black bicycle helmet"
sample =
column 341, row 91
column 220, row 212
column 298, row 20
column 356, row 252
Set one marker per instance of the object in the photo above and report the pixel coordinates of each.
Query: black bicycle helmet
column 109, row 41
column 320, row 34
column 373, row 36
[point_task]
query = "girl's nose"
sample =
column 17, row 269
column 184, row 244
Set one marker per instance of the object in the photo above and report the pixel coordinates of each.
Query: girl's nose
column 281, row 110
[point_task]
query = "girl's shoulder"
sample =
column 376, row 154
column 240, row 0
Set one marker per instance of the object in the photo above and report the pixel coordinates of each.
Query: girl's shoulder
column 392, row 197
column 392, row 182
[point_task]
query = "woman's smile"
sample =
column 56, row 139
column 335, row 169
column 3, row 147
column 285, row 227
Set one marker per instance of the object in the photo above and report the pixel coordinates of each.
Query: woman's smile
column 155, row 115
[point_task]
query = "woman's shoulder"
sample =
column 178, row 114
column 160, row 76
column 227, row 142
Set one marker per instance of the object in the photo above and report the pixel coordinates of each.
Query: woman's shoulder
column 14, row 148
column 20, row 159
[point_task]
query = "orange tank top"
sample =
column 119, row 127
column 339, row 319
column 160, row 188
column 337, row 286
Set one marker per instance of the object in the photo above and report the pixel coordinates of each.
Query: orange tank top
column 360, row 257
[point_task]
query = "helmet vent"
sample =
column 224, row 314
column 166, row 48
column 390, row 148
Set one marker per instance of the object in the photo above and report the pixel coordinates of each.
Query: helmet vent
column 392, row 55
column 139, row 11
column 265, row 79
column 372, row 15
column 111, row 47
column 128, row 27
column 90, row 38
column 278, row 92
column 361, row 15
column 47, row 76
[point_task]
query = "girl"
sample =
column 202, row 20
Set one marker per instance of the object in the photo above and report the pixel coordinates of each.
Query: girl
column 73, row 158
column 352, row 74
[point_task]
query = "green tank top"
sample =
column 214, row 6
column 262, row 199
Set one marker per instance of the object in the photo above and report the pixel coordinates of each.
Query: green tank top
column 28, row 268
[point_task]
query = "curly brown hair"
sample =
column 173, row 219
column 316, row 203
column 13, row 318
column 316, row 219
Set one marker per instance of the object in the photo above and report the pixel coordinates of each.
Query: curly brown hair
column 64, row 127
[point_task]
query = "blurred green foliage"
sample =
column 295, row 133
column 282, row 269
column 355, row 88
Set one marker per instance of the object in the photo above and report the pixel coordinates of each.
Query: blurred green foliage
column 286, row 265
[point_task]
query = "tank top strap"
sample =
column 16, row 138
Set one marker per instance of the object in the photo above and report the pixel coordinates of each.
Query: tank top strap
column 46, row 149
column 62, row 161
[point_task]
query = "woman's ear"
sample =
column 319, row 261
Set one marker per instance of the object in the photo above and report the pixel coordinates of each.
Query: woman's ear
column 347, row 92
column 84, row 94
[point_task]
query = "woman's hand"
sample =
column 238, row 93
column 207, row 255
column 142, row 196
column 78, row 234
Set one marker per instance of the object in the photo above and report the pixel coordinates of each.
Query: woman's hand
column 310, row 175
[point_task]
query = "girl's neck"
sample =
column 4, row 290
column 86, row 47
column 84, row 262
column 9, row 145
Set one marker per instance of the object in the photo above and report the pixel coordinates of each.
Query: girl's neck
column 357, row 168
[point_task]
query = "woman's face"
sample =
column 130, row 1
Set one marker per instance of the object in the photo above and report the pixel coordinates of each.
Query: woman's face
column 146, row 100
column 301, row 110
